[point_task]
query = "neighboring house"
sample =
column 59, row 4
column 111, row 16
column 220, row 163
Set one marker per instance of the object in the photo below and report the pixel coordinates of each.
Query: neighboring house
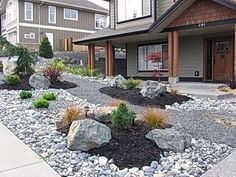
column 24, row 22
column 198, row 35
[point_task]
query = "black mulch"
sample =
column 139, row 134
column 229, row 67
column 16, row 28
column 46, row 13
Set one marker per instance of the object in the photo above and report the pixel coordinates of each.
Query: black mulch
column 24, row 85
column 129, row 148
column 134, row 97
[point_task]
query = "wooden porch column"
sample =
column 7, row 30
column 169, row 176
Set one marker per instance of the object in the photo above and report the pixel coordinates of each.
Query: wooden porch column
column 235, row 51
column 89, row 56
column 92, row 59
column 170, row 54
column 175, row 55
column 109, row 60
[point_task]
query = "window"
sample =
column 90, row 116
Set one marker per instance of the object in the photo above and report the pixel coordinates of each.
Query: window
column 11, row 37
column 132, row 9
column 144, row 51
column 28, row 11
column 3, row 22
column 52, row 14
column 11, row 11
column 70, row 14
column 100, row 21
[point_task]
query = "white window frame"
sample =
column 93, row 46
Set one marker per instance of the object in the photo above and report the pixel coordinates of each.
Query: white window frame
column 77, row 14
column 32, row 11
column 55, row 14
column 96, row 21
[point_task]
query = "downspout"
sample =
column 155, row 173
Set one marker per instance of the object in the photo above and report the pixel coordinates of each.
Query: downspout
column 39, row 8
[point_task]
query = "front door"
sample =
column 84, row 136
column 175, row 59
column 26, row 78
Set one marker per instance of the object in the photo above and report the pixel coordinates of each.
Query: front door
column 222, row 59
column 50, row 38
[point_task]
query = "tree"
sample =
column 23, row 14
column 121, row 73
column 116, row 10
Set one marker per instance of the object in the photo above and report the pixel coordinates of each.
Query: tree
column 157, row 58
column 45, row 48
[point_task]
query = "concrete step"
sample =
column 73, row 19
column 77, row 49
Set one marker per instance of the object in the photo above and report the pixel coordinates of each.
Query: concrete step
column 213, row 94
column 199, row 85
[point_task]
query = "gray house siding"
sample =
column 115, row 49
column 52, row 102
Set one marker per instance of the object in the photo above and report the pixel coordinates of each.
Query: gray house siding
column 163, row 6
column 112, row 14
column 190, row 59
column 57, row 36
column 86, row 19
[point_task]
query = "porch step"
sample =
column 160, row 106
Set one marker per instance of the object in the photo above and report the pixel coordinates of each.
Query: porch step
column 207, row 93
column 199, row 85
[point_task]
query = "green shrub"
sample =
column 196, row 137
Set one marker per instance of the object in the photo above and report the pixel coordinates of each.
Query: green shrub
column 26, row 61
column 41, row 103
column 25, row 95
column 87, row 72
column 73, row 70
column 122, row 118
column 45, row 48
column 58, row 64
column 49, row 96
column 12, row 79
column 131, row 83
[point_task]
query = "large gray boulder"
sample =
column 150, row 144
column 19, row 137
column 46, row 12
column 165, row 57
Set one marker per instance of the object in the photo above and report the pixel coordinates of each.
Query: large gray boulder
column 87, row 134
column 9, row 65
column 170, row 139
column 153, row 89
column 38, row 81
column 118, row 81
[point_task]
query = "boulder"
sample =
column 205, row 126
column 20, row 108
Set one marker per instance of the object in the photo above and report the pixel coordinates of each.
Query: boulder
column 170, row 139
column 9, row 65
column 153, row 89
column 39, row 81
column 118, row 81
column 103, row 114
column 87, row 134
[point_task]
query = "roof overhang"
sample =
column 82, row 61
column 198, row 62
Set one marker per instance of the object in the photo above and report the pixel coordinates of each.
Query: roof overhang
column 161, row 23
column 3, row 4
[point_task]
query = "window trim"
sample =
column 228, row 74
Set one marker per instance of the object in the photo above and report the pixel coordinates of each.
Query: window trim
column 95, row 21
column 32, row 11
column 55, row 17
column 77, row 14
column 134, row 19
column 148, row 44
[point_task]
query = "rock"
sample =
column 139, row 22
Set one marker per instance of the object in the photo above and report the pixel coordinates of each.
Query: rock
column 118, row 81
column 153, row 89
column 102, row 161
column 104, row 114
column 122, row 173
column 9, row 65
column 87, row 134
column 169, row 139
column 39, row 82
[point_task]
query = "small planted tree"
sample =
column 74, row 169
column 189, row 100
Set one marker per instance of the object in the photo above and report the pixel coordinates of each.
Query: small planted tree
column 45, row 48
column 158, row 58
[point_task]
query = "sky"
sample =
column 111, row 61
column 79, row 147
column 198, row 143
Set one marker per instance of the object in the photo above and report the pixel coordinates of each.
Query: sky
column 101, row 3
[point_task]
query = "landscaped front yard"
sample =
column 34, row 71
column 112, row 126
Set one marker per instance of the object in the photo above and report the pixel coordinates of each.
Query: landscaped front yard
column 85, row 126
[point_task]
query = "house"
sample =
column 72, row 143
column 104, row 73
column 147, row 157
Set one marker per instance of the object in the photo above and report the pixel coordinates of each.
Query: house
column 197, row 35
column 24, row 22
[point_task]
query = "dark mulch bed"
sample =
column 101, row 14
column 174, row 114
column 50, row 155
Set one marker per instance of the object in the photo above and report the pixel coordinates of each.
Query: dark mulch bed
column 129, row 148
column 24, row 85
column 134, row 97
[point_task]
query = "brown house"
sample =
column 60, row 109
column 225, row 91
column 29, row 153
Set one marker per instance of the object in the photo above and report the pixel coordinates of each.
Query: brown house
column 198, row 35
column 23, row 22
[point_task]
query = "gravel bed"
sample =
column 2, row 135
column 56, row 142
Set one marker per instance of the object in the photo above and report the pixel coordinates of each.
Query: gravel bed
column 36, row 128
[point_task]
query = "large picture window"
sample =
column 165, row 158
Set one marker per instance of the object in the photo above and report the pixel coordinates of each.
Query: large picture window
column 145, row 50
column 132, row 9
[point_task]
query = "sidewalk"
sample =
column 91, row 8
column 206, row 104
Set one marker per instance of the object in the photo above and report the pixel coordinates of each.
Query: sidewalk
column 18, row 160
column 226, row 168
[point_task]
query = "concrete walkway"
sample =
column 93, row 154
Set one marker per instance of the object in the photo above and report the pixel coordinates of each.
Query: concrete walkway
column 18, row 160
column 226, row 168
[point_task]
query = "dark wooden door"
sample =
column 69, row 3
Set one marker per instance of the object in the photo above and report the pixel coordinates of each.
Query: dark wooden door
column 222, row 59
